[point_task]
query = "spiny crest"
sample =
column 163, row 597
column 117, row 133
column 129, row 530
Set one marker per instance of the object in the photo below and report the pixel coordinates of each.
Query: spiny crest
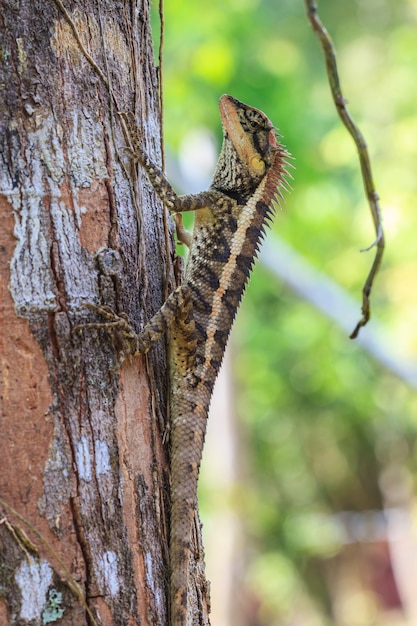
column 272, row 193
column 276, row 180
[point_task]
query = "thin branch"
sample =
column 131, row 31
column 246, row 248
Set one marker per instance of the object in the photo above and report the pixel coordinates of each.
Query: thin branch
column 161, row 124
column 179, row 226
column 65, row 573
column 161, row 81
column 80, row 43
column 365, row 163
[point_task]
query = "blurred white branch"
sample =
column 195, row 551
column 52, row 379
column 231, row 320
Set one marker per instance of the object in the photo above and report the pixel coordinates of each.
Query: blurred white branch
column 334, row 302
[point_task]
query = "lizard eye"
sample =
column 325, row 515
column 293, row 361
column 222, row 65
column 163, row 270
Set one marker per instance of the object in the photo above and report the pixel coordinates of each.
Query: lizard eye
column 250, row 121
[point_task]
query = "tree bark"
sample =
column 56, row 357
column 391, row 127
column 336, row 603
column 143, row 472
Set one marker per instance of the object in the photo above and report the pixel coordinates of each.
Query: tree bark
column 84, row 479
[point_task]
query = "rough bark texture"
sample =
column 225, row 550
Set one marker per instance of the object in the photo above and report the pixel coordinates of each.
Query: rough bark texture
column 81, row 449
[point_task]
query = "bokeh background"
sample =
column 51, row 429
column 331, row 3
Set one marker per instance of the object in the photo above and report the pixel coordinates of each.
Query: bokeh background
column 308, row 482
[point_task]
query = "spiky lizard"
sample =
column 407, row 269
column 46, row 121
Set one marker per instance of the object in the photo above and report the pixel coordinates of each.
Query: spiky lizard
column 229, row 225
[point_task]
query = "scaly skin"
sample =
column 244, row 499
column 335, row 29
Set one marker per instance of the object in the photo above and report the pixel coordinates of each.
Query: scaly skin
column 198, row 316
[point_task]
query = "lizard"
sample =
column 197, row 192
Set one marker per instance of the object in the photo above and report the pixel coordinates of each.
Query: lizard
column 230, row 219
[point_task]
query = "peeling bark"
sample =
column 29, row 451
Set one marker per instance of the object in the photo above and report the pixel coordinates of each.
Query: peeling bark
column 82, row 457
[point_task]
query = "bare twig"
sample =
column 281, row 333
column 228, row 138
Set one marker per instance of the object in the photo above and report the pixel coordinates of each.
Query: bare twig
column 358, row 138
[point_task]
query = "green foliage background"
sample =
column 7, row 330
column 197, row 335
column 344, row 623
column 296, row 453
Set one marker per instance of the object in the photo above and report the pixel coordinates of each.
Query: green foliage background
column 322, row 420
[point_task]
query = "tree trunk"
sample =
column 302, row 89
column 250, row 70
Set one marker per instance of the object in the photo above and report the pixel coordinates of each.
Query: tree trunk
column 84, row 479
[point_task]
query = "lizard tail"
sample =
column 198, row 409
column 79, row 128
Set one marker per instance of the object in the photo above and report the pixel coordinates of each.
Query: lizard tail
column 188, row 426
column 187, row 432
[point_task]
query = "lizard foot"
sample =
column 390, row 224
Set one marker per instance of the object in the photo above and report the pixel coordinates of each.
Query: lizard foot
column 117, row 323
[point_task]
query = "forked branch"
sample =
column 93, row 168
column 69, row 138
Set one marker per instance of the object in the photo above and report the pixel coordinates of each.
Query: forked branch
column 368, row 183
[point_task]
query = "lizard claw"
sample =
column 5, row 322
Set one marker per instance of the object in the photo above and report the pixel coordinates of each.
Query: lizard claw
column 114, row 322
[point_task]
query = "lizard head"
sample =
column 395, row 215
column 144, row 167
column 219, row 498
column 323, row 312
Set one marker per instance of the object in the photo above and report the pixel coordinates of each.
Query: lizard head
column 249, row 146
column 251, row 133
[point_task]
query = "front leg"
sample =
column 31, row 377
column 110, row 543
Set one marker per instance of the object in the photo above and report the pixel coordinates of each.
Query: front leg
column 174, row 202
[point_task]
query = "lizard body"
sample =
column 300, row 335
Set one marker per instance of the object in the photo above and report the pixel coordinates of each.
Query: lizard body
column 229, row 225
